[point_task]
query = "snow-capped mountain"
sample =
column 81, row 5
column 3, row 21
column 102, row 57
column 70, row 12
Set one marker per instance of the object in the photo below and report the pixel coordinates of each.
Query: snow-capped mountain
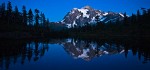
column 79, row 17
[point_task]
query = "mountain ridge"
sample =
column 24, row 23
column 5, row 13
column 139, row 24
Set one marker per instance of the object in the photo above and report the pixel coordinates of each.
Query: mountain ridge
column 78, row 17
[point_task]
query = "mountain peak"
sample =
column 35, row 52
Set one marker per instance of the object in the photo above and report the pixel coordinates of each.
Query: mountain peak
column 87, row 7
column 79, row 17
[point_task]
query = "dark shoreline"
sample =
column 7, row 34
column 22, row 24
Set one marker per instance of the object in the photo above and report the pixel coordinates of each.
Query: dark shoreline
column 26, row 35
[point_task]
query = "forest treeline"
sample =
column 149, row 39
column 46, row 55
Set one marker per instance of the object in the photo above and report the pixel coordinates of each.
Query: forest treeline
column 28, row 23
column 33, row 23
column 16, row 20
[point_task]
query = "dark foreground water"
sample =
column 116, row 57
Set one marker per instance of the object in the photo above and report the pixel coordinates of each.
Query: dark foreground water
column 74, row 54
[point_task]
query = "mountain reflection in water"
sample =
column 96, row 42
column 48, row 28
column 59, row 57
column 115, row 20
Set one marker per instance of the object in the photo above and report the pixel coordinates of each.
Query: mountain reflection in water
column 22, row 51
column 88, row 50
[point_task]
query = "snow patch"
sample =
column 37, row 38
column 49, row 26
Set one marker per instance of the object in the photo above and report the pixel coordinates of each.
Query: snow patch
column 84, row 55
column 78, row 49
column 106, row 52
column 93, row 46
column 93, row 19
column 69, row 40
column 98, row 14
column 78, row 17
column 121, row 14
column 122, row 51
column 84, row 11
column 63, row 20
column 102, row 19
column 88, row 15
column 105, row 14
column 74, row 43
column 111, row 20
column 102, row 48
column 72, row 54
column 100, row 10
column 74, row 23
column 68, row 25
column 75, row 8
column 72, row 12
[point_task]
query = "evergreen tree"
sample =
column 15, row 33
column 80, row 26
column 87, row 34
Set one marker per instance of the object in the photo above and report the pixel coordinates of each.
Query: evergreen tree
column 16, row 16
column 148, row 11
column 125, row 19
column 144, row 15
column 46, row 25
column 9, row 7
column 138, row 16
column 148, row 15
column 16, row 11
column 3, row 7
column 37, row 17
column 133, row 20
column 117, row 21
column 42, row 19
column 30, row 17
column 144, row 11
column 24, row 15
column 2, row 13
column 9, row 12
column 133, row 24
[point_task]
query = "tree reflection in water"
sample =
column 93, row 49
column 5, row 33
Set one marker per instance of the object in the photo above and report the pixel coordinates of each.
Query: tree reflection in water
column 11, row 51
column 89, row 49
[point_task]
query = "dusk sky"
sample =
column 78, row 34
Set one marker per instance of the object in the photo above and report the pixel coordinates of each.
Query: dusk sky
column 55, row 10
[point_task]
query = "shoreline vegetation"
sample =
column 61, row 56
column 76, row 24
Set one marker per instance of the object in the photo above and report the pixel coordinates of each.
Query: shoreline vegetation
column 26, row 24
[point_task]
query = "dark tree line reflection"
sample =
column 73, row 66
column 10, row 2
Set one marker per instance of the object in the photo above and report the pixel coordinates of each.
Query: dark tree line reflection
column 140, row 48
column 88, row 49
column 22, row 51
column 11, row 51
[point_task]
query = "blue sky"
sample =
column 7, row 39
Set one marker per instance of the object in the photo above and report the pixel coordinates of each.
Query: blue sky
column 55, row 10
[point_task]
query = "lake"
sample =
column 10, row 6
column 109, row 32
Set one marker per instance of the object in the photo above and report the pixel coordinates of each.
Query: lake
column 74, row 54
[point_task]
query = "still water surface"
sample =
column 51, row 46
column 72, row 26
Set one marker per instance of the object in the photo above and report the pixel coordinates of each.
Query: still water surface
column 71, row 54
